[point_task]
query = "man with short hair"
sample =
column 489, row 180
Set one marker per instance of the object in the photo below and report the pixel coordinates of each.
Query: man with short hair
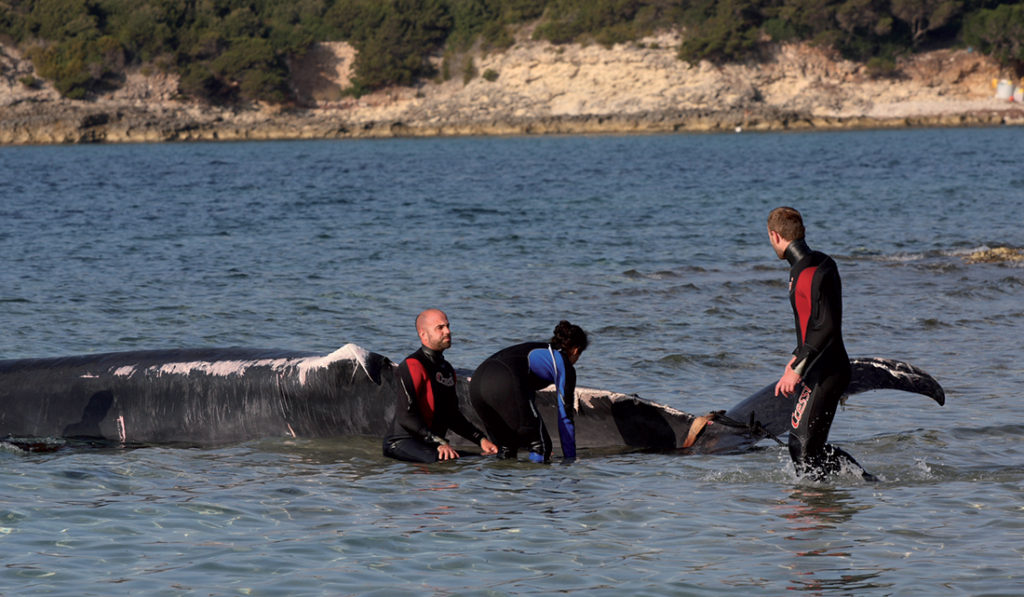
column 429, row 406
column 820, row 367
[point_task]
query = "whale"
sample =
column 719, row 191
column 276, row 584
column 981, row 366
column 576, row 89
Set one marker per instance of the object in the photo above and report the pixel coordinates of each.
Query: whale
column 197, row 397
column 608, row 419
column 216, row 396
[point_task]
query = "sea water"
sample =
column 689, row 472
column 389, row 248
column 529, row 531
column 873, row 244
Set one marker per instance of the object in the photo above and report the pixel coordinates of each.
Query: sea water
column 656, row 245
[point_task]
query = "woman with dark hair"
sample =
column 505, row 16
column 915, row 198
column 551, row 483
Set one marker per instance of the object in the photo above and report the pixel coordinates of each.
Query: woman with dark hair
column 504, row 386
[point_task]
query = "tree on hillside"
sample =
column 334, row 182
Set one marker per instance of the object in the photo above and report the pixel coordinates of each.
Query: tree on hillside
column 811, row 20
column 923, row 16
column 145, row 32
column 999, row 32
column 722, row 31
column 67, row 46
column 865, row 27
column 607, row 21
column 395, row 48
column 225, row 54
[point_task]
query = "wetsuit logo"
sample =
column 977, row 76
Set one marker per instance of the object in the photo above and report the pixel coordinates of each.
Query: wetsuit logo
column 444, row 381
column 801, row 404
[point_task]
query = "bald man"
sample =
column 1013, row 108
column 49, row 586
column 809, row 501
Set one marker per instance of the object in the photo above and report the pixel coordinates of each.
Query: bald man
column 429, row 406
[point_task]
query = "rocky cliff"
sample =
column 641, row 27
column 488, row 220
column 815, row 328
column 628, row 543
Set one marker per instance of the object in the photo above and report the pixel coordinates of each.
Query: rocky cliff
column 531, row 88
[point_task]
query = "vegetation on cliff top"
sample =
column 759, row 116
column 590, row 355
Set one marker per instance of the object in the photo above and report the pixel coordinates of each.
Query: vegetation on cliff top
column 238, row 50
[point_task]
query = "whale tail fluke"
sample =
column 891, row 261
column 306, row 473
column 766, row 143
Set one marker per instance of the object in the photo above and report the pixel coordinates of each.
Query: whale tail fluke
column 876, row 373
column 764, row 413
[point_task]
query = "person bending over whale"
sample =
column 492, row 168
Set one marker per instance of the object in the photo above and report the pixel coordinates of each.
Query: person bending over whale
column 819, row 361
column 503, row 389
column 429, row 406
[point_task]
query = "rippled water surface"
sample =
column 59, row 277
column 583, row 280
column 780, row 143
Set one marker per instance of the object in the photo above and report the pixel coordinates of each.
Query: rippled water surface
column 654, row 244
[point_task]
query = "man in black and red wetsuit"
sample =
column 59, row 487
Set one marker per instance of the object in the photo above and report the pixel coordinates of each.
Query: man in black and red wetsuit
column 820, row 367
column 429, row 406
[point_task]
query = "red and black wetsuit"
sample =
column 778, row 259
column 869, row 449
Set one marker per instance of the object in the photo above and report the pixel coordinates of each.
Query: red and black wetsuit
column 427, row 409
column 816, row 294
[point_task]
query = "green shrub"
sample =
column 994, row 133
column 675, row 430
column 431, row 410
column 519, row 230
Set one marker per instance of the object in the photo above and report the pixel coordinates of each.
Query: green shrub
column 468, row 71
column 30, row 82
column 879, row 67
column 144, row 33
column 198, row 81
column 269, row 85
column 446, row 67
column 469, row 17
column 496, row 36
column 779, row 29
column 65, row 65
column 58, row 20
column 606, row 21
column 520, row 11
column 999, row 32
column 727, row 31
column 397, row 51
column 251, row 68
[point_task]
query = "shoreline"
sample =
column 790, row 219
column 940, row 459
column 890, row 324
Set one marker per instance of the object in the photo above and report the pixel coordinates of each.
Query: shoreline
column 534, row 88
column 100, row 124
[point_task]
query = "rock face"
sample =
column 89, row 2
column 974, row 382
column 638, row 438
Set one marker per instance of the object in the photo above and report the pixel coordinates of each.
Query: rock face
column 531, row 88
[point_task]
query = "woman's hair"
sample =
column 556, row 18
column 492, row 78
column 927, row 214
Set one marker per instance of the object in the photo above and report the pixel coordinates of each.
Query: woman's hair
column 568, row 336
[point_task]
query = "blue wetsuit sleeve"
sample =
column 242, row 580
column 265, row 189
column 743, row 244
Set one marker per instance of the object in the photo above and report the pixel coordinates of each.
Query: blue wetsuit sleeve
column 550, row 366
column 566, row 425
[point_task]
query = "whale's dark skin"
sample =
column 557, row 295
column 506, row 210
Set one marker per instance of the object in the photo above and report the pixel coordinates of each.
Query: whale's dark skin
column 764, row 414
column 206, row 397
column 197, row 396
column 605, row 419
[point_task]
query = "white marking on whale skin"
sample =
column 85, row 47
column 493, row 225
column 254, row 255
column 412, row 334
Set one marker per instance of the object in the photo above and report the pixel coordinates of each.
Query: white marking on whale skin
column 88, row 376
column 301, row 365
column 222, row 368
column 550, row 389
column 349, row 352
column 895, row 369
column 219, row 368
column 588, row 395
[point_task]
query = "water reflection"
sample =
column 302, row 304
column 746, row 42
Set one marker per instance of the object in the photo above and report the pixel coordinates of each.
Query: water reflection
column 813, row 508
column 816, row 518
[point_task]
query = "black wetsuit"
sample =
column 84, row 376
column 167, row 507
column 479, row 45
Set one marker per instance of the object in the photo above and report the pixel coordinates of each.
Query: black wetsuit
column 427, row 409
column 815, row 292
column 503, row 389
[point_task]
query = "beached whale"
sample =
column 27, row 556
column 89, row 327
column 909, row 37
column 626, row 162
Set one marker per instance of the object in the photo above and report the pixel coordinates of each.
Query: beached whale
column 200, row 397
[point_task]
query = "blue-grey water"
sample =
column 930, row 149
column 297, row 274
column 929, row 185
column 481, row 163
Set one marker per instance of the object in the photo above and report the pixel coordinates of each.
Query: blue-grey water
column 654, row 244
